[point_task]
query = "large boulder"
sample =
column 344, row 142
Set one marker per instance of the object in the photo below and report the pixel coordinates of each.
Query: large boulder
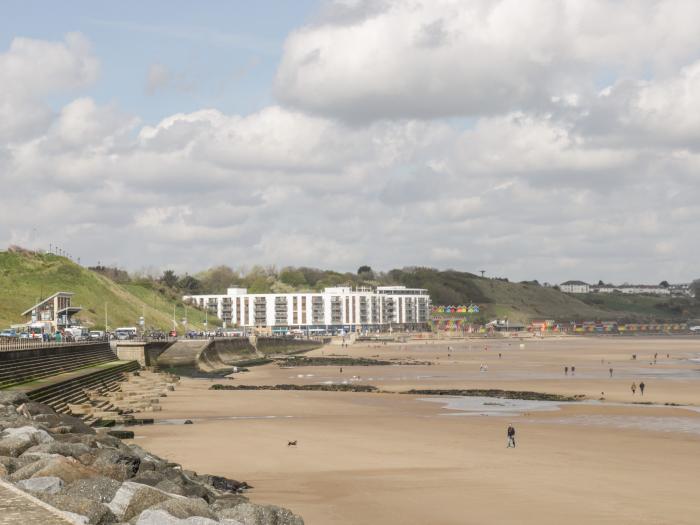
column 12, row 464
column 12, row 398
column 68, row 469
column 15, row 446
column 28, row 470
column 98, row 489
column 76, row 425
column 252, row 514
column 89, row 440
column 224, row 484
column 186, row 508
column 175, row 481
column 15, row 441
column 133, row 498
column 160, row 517
column 149, row 477
column 36, row 456
column 32, row 408
column 116, row 464
column 227, row 501
column 45, row 484
column 32, row 433
column 75, row 450
column 95, row 513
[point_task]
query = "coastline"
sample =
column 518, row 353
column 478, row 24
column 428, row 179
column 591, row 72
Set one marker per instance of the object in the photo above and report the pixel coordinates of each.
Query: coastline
column 387, row 458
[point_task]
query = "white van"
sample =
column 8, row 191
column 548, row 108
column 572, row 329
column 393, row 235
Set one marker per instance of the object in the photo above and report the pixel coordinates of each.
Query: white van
column 125, row 333
column 79, row 333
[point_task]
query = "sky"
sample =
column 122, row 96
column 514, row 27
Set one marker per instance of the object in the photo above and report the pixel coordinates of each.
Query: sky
column 532, row 139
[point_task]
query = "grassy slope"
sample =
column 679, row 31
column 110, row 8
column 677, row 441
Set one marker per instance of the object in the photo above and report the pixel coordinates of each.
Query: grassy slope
column 24, row 278
column 524, row 302
column 635, row 307
column 527, row 301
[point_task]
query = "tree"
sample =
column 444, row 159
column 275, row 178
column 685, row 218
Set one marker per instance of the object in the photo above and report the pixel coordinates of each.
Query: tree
column 293, row 277
column 216, row 280
column 364, row 269
column 664, row 284
column 190, row 285
column 601, row 283
column 169, row 279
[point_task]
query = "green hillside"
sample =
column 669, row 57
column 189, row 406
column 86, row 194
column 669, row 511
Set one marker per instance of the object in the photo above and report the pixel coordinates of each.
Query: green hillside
column 644, row 306
column 526, row 301
column 27, row 277
column 497, row 298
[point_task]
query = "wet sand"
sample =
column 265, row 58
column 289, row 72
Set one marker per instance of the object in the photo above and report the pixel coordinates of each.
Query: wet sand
column 394, row 458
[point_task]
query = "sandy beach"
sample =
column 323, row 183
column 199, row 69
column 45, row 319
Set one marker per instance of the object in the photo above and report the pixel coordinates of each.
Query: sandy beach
column 396, row 458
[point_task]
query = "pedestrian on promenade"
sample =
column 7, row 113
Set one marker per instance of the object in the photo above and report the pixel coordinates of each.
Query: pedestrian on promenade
column 511, row 436
column 611, row 371
column 633, row 388
column 341, row 369
column 641, row 387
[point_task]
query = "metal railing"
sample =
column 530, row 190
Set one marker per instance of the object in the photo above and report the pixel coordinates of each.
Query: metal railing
column 9, row 345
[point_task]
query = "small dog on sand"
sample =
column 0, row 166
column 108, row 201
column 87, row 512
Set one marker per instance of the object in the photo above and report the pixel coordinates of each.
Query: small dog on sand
column 292, row 443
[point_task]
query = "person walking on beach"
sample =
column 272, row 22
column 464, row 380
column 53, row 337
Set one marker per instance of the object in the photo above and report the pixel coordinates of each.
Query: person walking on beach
column 633, row 388
column 566, row 370
column 511, row 436
column 641, row 387
column 611, row 370
column 573, row 370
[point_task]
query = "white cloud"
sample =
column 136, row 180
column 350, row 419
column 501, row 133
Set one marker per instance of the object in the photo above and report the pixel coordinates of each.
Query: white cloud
column 33, row 68
column 556, row 177
column 448, row 57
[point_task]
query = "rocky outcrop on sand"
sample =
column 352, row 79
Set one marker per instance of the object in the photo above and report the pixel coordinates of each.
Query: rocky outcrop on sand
column 313, row 388
column 95, row 478
column 295, row 361
column 503, row 394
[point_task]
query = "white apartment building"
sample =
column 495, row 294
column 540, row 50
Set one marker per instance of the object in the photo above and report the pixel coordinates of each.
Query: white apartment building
column 633, row 289
column 334, row 309
column 575, row 287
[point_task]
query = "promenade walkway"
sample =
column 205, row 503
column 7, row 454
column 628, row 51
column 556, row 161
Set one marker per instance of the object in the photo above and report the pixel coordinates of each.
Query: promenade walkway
column 19, row 508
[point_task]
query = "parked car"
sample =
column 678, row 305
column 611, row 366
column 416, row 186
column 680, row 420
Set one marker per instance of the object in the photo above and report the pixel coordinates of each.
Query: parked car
column 9, row 333
column 96, row 335
column 125, row 333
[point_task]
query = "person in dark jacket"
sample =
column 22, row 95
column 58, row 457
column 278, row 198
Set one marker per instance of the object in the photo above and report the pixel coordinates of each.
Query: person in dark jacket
column 511, row 436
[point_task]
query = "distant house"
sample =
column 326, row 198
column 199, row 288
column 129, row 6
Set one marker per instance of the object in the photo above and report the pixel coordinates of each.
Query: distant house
column 575, row 287
column 683, row 289
column 503, row 325
column 54, row 312
column 632, row 289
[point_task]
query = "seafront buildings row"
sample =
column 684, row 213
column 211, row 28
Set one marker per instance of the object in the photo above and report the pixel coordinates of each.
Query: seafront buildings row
column 332, row 310
column 678, row 290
